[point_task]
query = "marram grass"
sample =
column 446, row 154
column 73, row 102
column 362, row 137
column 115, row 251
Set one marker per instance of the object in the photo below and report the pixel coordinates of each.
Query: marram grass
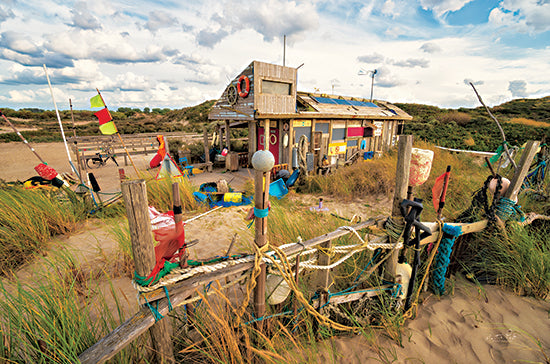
column 30, row 218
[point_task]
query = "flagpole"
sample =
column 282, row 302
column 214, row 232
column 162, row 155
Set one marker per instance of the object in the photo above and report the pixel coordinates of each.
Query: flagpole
column 120, row 137
column 61, row 125
column 78, row 161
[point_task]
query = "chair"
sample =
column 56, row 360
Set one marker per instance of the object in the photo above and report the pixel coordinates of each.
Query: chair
column 187, row 169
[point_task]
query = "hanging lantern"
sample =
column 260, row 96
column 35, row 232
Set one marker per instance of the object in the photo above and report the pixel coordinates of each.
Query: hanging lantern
column 421, row 164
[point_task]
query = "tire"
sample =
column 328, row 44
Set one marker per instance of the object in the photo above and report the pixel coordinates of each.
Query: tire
column 94, row 163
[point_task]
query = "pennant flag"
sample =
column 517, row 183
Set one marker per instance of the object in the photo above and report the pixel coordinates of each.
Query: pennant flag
column 104, row 116
column 96, row 101
column 440, row 189
column 168, row 169
column 106, row 126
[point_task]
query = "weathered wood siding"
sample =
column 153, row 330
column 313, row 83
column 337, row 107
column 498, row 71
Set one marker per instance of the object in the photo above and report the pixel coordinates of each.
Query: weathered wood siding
column 270, row 103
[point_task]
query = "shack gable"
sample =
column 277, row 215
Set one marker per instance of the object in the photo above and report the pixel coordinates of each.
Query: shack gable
column 237, row 100
column 260, row 87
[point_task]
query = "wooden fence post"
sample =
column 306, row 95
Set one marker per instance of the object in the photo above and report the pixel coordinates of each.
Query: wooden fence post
column 206, row 150
column 401, row 184
column 135, row 199
column 522, row 170
column 261, row 198
column 323, row 276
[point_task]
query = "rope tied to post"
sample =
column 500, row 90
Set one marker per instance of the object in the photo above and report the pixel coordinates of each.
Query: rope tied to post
column 507, row 209
column 395, row 227
column 261, row 253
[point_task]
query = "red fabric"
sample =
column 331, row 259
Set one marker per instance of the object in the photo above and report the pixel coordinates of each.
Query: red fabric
column 155, row 162
column 440, row 189
column 170, row 238
column 103, row 116
column 45, row 171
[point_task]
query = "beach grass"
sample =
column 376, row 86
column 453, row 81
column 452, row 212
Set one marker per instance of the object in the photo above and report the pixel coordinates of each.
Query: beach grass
column 58, row 316
column 30, row 218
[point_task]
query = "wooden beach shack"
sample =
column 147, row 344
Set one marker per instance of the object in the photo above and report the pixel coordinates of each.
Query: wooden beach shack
column 338, row 127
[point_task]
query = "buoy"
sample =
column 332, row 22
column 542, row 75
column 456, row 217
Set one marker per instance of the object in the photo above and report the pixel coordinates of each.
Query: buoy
column 235, row 197
column 403, row 274
column 263, row 160
column 504, row 188
column 276, row 289
column 421, row 165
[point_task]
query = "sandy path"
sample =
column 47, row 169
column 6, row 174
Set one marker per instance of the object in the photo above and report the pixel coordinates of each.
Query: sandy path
column 464, row 328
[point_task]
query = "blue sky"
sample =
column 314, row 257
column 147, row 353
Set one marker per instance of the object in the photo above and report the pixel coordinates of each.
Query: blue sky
column 174, row 54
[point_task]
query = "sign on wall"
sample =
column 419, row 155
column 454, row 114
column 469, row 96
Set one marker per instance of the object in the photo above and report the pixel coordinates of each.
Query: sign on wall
column 378, row 130
column 336, row 148
column 301, row 123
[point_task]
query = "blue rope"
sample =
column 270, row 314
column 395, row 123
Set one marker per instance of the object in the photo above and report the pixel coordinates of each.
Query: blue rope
column 364, row 269
column 170, row 308
column 154, row 310
column 443, row 257
column 507, row 209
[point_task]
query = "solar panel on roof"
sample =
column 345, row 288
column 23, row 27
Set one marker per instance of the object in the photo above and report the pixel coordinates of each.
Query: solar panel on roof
column 328, row 100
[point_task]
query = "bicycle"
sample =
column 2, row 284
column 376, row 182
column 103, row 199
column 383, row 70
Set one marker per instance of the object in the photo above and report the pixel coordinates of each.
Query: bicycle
column 100, row 160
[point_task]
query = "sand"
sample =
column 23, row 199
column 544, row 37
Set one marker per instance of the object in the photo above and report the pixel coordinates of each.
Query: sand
column 472, row 324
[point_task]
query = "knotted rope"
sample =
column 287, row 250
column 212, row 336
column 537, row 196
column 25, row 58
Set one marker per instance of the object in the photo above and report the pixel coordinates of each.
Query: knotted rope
column 507, row 209
column 443, row 257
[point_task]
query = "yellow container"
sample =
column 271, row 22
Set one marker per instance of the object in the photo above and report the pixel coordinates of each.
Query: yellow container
column 235, row 197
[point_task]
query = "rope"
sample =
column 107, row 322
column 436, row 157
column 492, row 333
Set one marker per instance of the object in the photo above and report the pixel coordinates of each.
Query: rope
column 395, row 227
column 260, row 253
column 442, row 260
column 285, row 269
column 302, row 149
column 507, row 209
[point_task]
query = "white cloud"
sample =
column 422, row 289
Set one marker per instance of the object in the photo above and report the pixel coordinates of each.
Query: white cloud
column 430, row 47
column 441, row 7
column 160, row 19
column 527, row 16
column 82, row 17
column 518, row 88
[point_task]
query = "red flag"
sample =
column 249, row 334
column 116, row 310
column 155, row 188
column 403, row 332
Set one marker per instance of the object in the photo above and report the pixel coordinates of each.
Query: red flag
column 440, row 189
column 103, row 116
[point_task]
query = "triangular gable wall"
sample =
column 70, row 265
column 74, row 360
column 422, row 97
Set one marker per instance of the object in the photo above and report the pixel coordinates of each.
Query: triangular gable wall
column 168, row 169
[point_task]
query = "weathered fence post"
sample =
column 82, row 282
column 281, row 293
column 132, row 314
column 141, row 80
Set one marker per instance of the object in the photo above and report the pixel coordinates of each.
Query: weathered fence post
column 206, row 150
column 135, row 199
column 522, row 170
column 401, row 184
column 323, row 276
column 262, row 161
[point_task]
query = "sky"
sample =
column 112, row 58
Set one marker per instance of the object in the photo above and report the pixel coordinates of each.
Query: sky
column 177, row 53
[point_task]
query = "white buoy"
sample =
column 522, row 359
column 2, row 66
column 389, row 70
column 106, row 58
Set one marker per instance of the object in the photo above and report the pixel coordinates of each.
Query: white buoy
column 403, row 274
column 263, row 160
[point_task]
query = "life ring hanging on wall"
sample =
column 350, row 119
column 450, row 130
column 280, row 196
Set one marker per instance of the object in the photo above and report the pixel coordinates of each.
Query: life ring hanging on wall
column 243, row 93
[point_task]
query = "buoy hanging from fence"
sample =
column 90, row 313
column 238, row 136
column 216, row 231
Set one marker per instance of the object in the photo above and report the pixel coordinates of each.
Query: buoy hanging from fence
column 421, row 165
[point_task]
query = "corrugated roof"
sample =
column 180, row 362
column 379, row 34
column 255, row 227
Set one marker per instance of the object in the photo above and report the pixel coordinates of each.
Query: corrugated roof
column 339, row 105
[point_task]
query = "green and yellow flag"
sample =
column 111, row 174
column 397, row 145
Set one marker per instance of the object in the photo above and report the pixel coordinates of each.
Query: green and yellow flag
column 96, row 101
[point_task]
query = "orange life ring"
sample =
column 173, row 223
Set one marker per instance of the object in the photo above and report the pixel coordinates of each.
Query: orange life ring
column 243, row 93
